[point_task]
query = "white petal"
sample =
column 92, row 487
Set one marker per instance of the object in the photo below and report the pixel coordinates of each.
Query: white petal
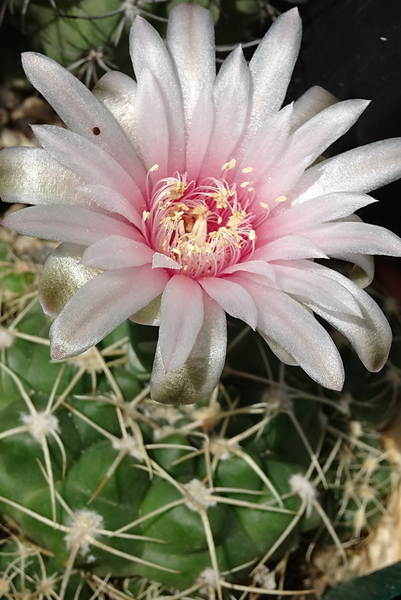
column 314, row 100
column 85, row 158
column 31, row 176
column 190, row 41
column 100, row 306
column 201, row 372
column 117, row 92
column 260, row 267
column 232, row 297
column 116, row 252
column 289, row 248
column 67, row 224
column 316, row 288
column 232, row 99
column 81, row 111
column 272, row 64
column 360, row 170
column 345, row 237
column 291, row 325
column 161, row 261
column 307, row 143
column 113, row 202
column 370, row 336
column 152, row 128
column 180, row 320
column 148, row 50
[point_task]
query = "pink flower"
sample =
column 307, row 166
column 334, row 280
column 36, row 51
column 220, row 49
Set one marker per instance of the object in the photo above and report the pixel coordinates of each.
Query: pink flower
column 184, row 196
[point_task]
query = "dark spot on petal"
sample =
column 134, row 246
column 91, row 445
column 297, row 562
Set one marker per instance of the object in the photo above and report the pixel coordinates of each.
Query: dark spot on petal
column 96, row 131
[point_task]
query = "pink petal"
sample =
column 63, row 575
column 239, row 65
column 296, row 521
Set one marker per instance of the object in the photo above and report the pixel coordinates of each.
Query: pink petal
column 116, row 252
column 81, row 111
column 199, row 133
column 233, row 298
column 161, row 261
column 190, row 41
column 315, row 211
column 101, row 305
column 67, row 224
column 180, row 321
column 200, row 374
column 272, row 64
column 260, row 267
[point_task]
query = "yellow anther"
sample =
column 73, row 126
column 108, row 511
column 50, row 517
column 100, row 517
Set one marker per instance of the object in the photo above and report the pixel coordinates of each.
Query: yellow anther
column 229, row 165
column 145, row 215
column 264, row 205
column 252, row 235
column 154, row 168
column 247, row 170
column 245, row 184
column 281, row 199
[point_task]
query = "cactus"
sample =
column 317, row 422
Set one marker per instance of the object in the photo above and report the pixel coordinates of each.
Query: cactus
column 105, row 491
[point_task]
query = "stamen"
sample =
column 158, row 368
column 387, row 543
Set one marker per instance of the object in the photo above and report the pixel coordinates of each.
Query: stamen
column 229, row 165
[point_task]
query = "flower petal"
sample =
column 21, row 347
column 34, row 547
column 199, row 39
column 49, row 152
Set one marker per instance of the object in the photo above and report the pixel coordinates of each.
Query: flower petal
column 80, row 110
column 190, row 41
column 309, row 104
column 200, row 374
column 200, row 131
column 85, row 159
column 31, row 176
column 117, row 92
column 272, row 65
column 289, row 247
column 360, row 170
column 148, row 50
column 370, row 336
column 362, row 238
column 116, row 252
column 232, row 297
column 180, row 321
column 100, row 306
column 113, row 202
column 291, row 325
column 62, row 276
column 231, row 110
column 315, row 211
column 152, row 128
column 67, row 224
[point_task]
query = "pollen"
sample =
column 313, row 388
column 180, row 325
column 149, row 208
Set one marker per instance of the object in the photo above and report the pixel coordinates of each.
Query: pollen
column 229, row 165
column 154, row 168
column 281, row 199
column 145, row 215
column 247, row 170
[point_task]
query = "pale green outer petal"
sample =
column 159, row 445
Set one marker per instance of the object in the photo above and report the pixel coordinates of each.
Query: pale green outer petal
column 62, row 276
column 200, row 374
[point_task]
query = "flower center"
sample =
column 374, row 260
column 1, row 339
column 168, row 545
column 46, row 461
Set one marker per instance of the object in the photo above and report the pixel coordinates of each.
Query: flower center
column 204, row 228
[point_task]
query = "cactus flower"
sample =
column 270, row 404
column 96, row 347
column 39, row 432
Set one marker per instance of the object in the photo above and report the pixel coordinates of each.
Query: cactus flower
column 183, row 196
